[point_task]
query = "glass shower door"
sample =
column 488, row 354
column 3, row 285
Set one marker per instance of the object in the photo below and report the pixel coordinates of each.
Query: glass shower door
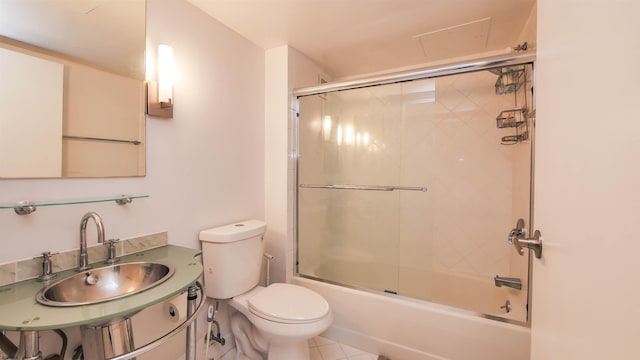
column 366, row 157
column 352, row 142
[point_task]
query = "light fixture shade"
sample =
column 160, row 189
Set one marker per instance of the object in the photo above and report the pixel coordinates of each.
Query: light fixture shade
column 160, row 92
column 165, row 73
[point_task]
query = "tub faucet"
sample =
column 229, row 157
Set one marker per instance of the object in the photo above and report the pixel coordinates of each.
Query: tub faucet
column 514, row 283
column 84, row 257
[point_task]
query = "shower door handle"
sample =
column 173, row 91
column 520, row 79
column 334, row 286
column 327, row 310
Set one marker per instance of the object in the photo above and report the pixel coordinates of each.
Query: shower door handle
column 518, row 238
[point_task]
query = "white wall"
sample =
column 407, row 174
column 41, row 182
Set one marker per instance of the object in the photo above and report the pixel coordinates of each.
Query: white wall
column 276, row 122
column 205, row 167
column 286, row 69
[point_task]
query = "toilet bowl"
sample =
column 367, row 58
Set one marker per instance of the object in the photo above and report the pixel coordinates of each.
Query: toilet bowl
column 285, row 316
column 274, row 321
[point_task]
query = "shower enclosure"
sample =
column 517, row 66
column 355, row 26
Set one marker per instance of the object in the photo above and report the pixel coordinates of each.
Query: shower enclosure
column 409, row 185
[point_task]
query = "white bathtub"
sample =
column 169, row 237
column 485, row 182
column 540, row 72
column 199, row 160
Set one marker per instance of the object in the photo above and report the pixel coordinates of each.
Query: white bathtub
column 472, row 293
column 405, row 329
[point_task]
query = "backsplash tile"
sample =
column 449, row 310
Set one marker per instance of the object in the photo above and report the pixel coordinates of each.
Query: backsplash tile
column 28, row 269
column 31, row 268
column 64, row 260
column 141, row 243
column 7, row 273
column 97, row 251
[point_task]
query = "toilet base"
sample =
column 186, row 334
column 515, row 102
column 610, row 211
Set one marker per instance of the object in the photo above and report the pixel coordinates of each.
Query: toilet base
column 258, row 337
column 248, row 346
column 251, row 345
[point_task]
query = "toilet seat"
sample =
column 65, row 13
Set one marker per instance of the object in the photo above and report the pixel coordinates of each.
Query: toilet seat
column 289, row 304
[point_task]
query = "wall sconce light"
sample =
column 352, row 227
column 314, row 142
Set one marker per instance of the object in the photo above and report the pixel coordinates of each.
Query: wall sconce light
column 160, row 92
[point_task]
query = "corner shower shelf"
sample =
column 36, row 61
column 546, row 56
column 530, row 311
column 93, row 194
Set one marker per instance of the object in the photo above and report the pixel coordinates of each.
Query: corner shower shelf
column 28, row 207
column 514, row 139
column 511, row 118
column 509, row 81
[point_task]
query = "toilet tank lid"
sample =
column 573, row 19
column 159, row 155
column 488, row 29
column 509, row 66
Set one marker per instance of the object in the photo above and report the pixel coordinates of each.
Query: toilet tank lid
column 234, row 232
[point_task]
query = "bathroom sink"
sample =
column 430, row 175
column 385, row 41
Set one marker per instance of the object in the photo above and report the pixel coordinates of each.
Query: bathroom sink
column 103, row 284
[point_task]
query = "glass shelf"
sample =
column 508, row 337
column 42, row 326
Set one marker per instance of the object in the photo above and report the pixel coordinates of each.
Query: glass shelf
column 27, row 207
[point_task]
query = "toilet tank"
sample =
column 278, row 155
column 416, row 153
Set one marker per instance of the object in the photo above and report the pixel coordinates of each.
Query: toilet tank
column 232, row 258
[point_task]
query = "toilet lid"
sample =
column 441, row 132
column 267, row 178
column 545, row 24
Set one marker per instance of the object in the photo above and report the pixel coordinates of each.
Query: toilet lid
column 286, row 303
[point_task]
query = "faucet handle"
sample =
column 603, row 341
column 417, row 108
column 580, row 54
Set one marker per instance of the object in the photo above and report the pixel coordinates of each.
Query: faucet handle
column 44, row 255
column 111, row 243
column 47, row 266
column 519, row 232
column 111, row 251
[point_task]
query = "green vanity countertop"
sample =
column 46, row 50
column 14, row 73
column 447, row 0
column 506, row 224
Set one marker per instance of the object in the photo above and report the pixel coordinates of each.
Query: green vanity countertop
column 19, row 310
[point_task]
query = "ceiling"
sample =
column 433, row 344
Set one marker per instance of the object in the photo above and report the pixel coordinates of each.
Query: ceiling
column 349, row 37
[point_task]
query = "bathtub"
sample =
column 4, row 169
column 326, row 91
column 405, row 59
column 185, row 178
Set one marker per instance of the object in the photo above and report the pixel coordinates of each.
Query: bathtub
column 406, row 329
column 472, row 293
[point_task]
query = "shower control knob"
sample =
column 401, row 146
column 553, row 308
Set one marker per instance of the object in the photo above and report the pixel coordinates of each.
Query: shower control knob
column 518, row 238
column 518, row 232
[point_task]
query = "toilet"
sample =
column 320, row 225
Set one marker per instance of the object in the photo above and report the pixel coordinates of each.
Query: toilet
column 274, row 321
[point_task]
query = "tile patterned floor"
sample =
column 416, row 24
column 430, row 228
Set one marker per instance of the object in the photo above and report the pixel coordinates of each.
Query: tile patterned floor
column 325, row 349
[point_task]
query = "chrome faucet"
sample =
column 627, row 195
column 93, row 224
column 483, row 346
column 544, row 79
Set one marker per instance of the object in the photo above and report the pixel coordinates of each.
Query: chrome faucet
column 514, row 283
column 84, row 257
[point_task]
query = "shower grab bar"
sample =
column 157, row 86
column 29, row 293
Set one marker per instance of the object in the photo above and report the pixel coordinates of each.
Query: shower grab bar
column 365, row 187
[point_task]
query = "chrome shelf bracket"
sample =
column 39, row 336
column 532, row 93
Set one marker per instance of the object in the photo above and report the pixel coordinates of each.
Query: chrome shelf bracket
column 518, row 238
column 25, row 208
